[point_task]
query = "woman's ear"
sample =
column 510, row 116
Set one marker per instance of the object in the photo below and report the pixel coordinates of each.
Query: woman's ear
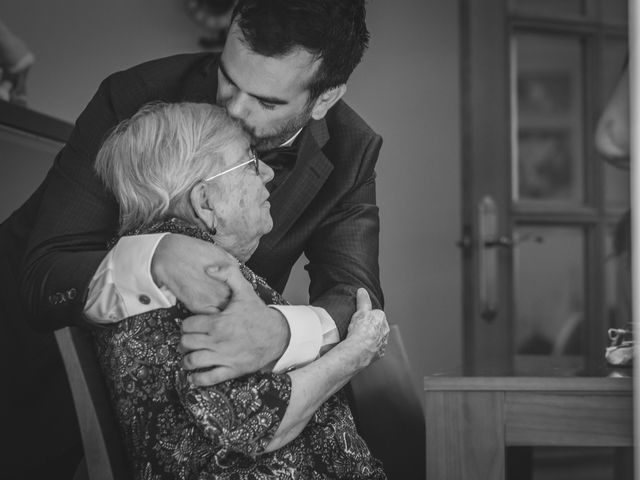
column 327, row 100
column 201, row 206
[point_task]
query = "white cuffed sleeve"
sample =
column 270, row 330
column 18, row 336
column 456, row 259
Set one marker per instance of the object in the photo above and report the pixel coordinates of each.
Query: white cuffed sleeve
column 310, row 329
column 123, row 286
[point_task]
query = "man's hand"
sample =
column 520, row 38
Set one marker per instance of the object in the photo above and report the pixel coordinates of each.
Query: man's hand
column 180, row 263
column 244, row 338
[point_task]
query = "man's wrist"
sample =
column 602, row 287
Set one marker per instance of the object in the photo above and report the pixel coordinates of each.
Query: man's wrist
column 281, row 335
column 122, row 285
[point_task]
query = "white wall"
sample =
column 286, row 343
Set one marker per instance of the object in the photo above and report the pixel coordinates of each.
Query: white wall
column 77, row 43
column 406, row 88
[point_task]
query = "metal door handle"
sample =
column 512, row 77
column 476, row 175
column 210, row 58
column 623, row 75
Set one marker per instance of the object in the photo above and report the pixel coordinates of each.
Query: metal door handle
column 488, row 257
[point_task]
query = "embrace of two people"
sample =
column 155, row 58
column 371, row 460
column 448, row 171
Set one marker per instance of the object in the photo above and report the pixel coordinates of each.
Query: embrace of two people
column 170, row 222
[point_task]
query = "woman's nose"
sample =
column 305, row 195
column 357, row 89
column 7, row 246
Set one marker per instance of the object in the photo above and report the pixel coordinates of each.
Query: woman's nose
column 266, row 172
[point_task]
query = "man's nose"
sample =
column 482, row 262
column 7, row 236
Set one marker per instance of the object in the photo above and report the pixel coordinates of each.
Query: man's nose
column 237, row 106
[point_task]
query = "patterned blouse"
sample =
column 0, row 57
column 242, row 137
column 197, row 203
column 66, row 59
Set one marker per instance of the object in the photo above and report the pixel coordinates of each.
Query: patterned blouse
column 173, row 430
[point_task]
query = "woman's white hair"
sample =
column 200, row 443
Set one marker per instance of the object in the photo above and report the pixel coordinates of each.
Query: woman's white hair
column 151, row 161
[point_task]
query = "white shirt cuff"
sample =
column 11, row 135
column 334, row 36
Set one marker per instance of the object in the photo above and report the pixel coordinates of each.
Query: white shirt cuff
column 305, row 337
column 311, row 328
column 123, row 286
column 330, row 334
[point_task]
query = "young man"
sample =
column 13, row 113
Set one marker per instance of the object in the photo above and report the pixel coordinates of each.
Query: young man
column 282, row 73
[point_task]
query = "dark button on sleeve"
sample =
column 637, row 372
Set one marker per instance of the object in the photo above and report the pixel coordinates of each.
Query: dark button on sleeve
column 144, row 299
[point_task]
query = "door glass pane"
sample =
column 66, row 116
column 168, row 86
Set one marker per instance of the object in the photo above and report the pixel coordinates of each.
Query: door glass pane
column 547, row 139
column 549, row 290
column 550, row 7
column 615, row 11
column 616, row 171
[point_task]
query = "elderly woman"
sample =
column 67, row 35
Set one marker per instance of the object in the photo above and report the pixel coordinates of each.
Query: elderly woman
column 187, row 168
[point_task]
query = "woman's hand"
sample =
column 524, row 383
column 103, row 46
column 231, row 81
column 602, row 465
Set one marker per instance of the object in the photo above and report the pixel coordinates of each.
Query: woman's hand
column 368, row 331
column 314, row 383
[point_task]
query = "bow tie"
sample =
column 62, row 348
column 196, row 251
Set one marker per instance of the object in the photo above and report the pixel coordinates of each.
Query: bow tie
column 281, row 160
column 281, row 157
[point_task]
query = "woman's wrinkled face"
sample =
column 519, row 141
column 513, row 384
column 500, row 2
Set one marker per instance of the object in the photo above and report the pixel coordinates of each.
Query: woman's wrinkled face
column 239, row 199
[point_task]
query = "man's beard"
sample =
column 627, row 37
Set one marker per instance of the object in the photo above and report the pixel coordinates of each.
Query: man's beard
column 290, row 128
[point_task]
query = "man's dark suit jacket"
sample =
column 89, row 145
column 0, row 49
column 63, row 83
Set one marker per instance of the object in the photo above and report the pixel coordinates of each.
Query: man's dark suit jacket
column 326, row 207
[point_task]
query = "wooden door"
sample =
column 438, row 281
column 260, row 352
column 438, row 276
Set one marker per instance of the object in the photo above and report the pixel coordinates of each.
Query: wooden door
column 540, row 205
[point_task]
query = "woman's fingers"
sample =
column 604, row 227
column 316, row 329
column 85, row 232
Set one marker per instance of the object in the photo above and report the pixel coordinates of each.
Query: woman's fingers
column 363, row 301
column 368, row 328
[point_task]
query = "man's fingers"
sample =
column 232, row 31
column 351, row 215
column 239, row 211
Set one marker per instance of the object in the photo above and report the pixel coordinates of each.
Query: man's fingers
column 363, row 302
column 217, row 272
column 198, row 324
column 201, row 359
column 212, row 377
column 178, row 264
column 238, row 285
column 195, row 341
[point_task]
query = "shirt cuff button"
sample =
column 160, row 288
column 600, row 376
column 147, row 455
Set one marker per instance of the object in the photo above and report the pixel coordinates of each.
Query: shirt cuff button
column 143, row 299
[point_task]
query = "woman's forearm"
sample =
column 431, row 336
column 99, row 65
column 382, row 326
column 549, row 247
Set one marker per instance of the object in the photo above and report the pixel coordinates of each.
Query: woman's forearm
column 288, row 400
column 313, row 384
column 272, row 409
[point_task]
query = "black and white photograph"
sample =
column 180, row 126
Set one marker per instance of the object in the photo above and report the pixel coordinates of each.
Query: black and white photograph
column 319, row 239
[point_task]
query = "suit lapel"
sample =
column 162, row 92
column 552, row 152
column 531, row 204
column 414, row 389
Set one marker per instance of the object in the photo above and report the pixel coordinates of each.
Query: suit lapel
column 291, row 198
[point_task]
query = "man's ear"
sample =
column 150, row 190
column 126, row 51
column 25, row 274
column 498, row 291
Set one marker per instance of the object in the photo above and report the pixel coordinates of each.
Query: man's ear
column 200, row 204
column 327, row 100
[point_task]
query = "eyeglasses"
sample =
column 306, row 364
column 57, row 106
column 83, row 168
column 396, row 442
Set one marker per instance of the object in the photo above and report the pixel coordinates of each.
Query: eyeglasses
column 253, row 158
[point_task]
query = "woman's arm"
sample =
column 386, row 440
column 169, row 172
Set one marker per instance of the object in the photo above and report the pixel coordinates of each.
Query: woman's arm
column 264, row 411
column 313, row 384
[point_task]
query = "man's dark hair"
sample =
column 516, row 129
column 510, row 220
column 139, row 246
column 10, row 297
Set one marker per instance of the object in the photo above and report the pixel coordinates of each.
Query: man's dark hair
column 333, row 30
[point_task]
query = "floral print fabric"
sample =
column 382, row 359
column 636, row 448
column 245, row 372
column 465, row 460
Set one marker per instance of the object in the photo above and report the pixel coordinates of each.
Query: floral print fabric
column 174, row 430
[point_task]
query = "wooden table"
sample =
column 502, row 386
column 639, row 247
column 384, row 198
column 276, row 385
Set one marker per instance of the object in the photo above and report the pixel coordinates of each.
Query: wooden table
column 471, row 419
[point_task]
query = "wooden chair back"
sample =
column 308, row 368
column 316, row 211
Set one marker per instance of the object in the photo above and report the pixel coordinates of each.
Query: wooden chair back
column 104, row 455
